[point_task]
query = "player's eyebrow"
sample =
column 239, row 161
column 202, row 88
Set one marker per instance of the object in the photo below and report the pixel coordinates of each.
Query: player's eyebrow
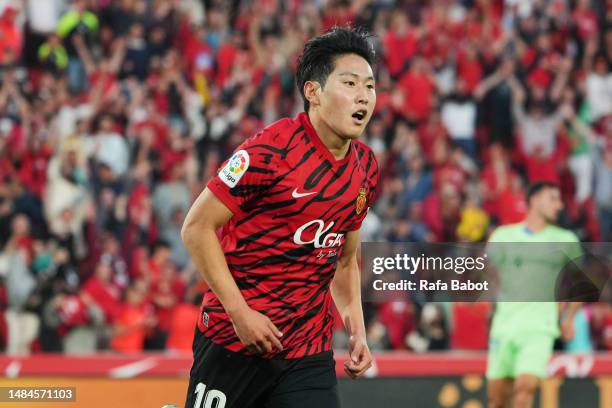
column 354, row 75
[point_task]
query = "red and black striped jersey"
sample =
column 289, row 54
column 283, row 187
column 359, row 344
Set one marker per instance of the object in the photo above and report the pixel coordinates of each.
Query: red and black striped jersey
column 293, row 204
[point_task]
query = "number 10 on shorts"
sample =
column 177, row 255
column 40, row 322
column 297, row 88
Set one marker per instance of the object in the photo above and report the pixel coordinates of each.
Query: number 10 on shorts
column 209, row 397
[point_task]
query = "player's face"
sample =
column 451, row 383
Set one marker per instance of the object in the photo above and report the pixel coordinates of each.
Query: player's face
column 549, row 204
column 347, row 100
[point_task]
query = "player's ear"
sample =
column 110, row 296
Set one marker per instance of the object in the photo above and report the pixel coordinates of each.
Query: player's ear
column 312, row 91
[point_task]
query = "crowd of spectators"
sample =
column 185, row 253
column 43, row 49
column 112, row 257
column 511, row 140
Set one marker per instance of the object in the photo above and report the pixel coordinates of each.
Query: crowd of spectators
column 115, row 113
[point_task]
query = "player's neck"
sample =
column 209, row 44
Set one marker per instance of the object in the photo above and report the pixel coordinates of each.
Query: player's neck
column 336, row 145
column 535, row 223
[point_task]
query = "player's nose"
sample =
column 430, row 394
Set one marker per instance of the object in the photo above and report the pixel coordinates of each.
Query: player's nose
column 362, row 97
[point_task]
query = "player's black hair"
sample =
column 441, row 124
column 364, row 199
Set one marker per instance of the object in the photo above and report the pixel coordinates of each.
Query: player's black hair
column 538, row 186
column 319, row 55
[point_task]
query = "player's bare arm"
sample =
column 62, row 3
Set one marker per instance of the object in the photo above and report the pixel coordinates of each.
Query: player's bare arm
column 206, row 215
column 346, row 291
column 567, row 311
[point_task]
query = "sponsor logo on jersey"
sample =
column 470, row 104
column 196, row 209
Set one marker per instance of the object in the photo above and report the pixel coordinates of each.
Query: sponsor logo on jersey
column 361, row 201
column 235, row 168
column 321, row 238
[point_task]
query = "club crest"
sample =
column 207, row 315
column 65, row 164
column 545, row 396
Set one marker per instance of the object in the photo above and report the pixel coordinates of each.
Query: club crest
column 361, row 201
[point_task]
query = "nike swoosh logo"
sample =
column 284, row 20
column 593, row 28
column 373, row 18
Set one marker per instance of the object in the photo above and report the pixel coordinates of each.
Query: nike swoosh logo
column 295, row 194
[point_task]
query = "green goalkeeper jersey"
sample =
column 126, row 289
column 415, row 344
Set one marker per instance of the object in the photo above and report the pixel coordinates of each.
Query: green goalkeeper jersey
column 529, row 265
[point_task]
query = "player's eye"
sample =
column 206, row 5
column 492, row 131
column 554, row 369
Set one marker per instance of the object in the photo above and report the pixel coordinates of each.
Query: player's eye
column 370, row 86
column 350, row 83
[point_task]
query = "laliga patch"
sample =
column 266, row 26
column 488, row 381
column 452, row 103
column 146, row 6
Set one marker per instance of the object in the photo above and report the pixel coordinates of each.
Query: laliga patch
column 235, row 168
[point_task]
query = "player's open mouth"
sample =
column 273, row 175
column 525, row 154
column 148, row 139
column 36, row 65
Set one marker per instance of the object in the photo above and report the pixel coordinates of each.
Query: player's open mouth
column 359, row 116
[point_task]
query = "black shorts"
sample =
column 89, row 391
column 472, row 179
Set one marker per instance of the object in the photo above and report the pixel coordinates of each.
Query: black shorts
column 220, row 378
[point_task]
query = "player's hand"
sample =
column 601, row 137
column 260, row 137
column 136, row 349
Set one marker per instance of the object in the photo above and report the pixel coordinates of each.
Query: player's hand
column 256, row 331
column 567, row 329
column 360, row 357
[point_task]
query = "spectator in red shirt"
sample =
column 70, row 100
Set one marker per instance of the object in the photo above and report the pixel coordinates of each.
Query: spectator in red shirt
column 106, row 295
column 182, row 322
column 199, row 55
column 132, row 324
column 77, row 320
column 337, row 13
column 448, row 166
column 432, row 133
column 513, row 206
column 468, row 67
column 441, row 212
column 173, row 154
column 226, row 57
column 601, row 325
column 160, row 256
column 470, row 326
column 495, row 179
column 400, row 43
column 585, row 19
column 33, row 170
column 418, row 89
column 11, row 39
column 398, row 318
column 166, row 293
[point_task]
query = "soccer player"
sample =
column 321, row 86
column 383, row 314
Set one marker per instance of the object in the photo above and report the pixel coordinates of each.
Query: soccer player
column 523, row 333
column 290, row 202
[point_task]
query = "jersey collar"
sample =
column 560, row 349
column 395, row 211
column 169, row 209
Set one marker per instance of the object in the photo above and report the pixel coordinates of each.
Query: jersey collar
column 316, row 140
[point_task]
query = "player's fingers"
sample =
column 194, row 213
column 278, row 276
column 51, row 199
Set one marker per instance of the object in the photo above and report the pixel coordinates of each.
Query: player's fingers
column 274, row 329
column 357, row 353
column 359, row 374
column 356, row 372
column 253, row 348
column 275, row 341
column 258, row 346
column 349, row 365
column 264, row 345
column 349, row 372
column 362, row 368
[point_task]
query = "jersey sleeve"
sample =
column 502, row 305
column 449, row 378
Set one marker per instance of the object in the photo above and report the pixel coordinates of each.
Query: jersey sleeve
column 371, row 195
column 573, row 248
column 247, row 174
column 495, row 247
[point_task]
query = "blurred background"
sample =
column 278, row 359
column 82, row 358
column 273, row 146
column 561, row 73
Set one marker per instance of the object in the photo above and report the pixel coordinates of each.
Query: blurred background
column 115, row 113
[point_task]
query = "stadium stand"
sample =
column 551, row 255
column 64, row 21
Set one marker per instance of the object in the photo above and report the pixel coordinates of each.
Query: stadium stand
column 114, row 114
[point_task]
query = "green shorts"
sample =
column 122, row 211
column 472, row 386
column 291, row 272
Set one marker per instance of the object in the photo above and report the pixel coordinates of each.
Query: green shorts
column 511, row 356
